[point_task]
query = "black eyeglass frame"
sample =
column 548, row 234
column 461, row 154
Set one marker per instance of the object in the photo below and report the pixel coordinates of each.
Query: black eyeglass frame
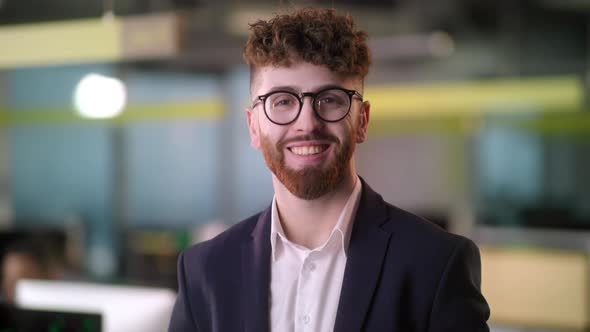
column 301, row 96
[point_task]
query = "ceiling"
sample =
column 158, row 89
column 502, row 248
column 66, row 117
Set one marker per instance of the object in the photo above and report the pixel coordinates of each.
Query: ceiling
column 489, row 37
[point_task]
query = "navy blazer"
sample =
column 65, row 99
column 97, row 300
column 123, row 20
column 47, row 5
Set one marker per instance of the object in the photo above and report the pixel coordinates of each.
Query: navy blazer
column 403, row 274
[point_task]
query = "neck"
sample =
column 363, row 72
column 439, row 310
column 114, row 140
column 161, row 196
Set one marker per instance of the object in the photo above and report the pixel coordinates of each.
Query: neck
column 310, row 222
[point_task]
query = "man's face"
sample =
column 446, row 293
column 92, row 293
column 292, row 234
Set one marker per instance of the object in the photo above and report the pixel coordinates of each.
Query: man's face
column 309, row 157
column 16, row 266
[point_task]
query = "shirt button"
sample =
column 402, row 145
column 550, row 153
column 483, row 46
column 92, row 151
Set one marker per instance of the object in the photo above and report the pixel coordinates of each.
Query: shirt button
column 311, row 267
column 305, row 319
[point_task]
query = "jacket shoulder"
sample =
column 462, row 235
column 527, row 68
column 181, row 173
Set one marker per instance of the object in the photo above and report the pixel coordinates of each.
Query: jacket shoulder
column 224, row 246
column 408, row 228
column 421, row 234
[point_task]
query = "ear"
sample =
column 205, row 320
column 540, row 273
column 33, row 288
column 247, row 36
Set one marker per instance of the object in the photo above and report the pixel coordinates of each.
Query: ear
column 253, row 128
column 363, row 122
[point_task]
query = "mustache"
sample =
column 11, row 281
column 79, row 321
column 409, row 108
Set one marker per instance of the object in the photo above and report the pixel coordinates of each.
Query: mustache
column 315, row 136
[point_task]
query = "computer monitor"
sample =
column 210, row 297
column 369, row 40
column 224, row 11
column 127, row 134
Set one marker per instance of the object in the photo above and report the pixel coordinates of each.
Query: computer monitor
column 14, row 319
column 123, row 308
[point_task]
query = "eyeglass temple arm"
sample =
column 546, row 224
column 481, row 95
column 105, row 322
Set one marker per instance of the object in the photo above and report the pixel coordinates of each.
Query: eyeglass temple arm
column 259, row 99
column 358, row 95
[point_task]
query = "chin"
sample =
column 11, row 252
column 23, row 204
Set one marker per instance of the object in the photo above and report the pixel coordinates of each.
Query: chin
column 312, row 182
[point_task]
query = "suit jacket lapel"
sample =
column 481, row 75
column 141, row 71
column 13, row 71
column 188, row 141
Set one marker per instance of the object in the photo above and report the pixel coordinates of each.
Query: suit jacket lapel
column 366, row 252
column 256, row 273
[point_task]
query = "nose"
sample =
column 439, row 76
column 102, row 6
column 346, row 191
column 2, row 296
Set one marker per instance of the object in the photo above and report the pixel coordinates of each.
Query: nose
column 308, row 121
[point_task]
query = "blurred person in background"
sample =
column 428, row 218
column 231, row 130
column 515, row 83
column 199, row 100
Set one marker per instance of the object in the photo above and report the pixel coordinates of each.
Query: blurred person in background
column 26, row 259
column 328, row 254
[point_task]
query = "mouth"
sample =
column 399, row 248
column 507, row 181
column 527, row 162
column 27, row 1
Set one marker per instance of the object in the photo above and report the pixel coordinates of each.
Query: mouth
column 308, row 150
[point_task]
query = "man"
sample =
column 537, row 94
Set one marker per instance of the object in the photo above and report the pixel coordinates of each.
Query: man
column 328, row 254
column 28, row 258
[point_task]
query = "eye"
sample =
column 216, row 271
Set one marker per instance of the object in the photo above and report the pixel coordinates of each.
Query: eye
column 332, row 99
column 326, row 100
column 283, row 102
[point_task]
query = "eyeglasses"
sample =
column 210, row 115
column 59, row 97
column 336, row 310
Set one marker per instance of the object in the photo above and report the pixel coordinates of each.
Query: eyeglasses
column 331, row 105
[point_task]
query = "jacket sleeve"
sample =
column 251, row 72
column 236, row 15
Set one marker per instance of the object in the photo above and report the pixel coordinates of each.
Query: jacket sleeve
column 459, row 305
column 182, row 319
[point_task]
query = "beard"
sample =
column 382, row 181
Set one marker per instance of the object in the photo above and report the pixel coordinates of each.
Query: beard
column 310, row 182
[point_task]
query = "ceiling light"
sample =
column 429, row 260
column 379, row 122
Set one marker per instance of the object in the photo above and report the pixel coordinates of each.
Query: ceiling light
column 100, row 97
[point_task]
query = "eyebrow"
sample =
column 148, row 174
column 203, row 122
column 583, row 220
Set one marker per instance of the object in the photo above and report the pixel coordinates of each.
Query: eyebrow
column 294, row 89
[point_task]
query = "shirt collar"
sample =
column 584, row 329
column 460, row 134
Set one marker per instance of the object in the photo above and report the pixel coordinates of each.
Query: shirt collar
column 343, row 226
column 276, row 229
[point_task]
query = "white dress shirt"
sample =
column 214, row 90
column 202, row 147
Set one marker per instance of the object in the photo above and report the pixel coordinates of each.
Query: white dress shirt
column 305, row 283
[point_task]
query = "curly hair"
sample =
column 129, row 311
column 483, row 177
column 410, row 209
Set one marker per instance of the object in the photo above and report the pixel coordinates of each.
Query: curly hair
column 317, row 36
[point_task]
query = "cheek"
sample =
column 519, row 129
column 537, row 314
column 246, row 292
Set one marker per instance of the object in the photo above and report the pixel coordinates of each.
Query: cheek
column 355, row 130
column 272, row 134
column 264, row 131
column 348, row 130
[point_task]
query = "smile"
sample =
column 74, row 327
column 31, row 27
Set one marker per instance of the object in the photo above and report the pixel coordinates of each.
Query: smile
column 308, row 150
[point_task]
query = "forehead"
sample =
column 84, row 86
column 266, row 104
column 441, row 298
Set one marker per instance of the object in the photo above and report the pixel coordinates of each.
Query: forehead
column 299, row 76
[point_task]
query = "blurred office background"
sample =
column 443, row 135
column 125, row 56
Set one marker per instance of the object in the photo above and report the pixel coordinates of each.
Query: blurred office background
column 480, row 122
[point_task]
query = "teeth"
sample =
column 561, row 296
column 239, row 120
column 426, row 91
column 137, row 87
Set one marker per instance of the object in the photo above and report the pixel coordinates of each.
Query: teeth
column 307, row 150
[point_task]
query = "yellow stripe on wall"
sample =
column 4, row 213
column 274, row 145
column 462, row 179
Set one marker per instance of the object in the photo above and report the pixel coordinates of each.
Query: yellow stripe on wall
column 556, row 94
column 550, row 123
column 207, row 110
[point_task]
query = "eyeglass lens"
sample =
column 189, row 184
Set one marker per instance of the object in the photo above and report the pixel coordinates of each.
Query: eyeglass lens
column 330, row 105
